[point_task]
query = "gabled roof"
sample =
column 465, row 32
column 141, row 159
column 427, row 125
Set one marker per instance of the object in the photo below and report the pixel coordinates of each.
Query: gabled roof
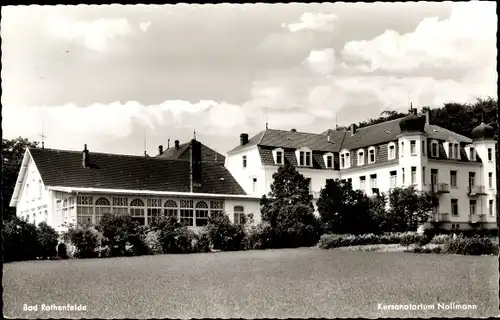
column 64, row 168
column 207, row 154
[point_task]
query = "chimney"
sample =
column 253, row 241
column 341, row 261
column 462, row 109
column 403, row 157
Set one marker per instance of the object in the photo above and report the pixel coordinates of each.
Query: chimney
column 293, row 130
column 160, row 149
column 176, row 144
column 427, row 116
column 353, row 129
column 168, row 143
column 243, row 139
column 85, row 157
column 195, row 164
column 329, row 138
column 415, row 111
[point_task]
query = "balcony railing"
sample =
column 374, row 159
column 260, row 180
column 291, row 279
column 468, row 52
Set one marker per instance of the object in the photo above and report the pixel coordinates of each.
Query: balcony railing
column 440, row 217
column 477, row 218
column 476, row 190
column 440, row 187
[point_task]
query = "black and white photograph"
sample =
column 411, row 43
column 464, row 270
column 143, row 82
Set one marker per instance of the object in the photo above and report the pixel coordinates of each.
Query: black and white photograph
column 253, row 160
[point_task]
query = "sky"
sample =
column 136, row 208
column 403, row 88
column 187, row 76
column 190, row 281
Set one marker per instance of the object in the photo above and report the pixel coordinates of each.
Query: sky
column 124, row 79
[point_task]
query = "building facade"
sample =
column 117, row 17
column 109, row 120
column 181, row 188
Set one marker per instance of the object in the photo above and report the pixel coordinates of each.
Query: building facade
column 397, row 153
column 66, row 188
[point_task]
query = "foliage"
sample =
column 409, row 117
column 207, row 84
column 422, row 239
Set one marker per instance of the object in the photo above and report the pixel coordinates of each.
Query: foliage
column 19, row 240
column 440, row 239
column 185, row 241
column 62, row 251
column 85, row 240
column 260, row 236
column 344, row 210
column 223, row 234
column 173, row 237
column 470, row 246
column 121, row 235
column 12, row 157
column 409, row 208
column 47, row 239
column 202, row 243
column 152, row 242
column 289, row 210
column 328, row 241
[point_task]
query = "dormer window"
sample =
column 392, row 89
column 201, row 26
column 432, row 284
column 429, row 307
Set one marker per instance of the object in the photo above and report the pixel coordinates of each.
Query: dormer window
column 392, row 151
column 472, row 153
column 345, row 159
column 453, row 150
column 279, row 156
column 304, row 157
column 434, row 149
column 328, row 158
column 371, row 155
column 361, row 157
column 456, row 147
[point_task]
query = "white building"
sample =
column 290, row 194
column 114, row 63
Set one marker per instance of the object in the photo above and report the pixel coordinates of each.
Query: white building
column 67, row 187
column 396, row 153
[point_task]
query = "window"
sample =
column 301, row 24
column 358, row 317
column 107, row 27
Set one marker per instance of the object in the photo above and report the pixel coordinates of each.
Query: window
column 46, row 218
column 472, row 207
column 393, row 179
column 102, row 206
column 239, row 215
column 457, row 151
column 454, row 207
column 120, row 206
column 413, row 175
column 186, row 213
column 329, row 161
column 490, row 206
column 345, row 160
column 279, row 157
column 244, row 158
column 27, row 192
column 39, row 189
column 450, row 150
column 472, row 154
column 84, row 215
column 361, row 157
column 137, row 211
column 423, row 176
column 472, row 179
column 423, row 147
column 434, row 177
column 171, row 208
column 201, row 213
column 362, row 183
column 392, row 151
column 85, row 200
column 154, row 209
column 453, row 178
column 308, row 159
column 413, row 147
column 216, row 207
column 402, row 150
column 434, row 149
column 254, row 184
column 490, row 179
column 371, row 155
column 65, row 211
column 305, row 158
column 373, row 181
column 490, row 154
column 403, row 175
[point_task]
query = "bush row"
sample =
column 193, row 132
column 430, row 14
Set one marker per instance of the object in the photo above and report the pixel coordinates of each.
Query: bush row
column 329, row 241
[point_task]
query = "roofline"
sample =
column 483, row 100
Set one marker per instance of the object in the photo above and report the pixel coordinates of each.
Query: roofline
column 20, row 177
column 149, row 192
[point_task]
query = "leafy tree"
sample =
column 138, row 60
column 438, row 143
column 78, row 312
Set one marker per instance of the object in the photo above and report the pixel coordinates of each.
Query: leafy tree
column 378, row 212
column 409, row 208
column 225, row 235
column 12, row 157
column 289, row 210
column 47, row 241
column 19, row 240
column 119, row 232
column 344, row 210
column 85, row 240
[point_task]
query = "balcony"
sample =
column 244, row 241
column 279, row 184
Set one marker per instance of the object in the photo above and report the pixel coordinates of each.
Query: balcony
column 476, row 190
column 440, row 188
column 477, row 218
column 440, row 217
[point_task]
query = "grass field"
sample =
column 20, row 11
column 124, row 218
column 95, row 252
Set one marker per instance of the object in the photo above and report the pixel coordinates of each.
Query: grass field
column 272, row 283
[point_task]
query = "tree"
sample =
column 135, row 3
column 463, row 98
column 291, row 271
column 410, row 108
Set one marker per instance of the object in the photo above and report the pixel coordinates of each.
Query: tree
column 12, row 157
column 19, row 240
column 409, row 208
column 47, row 241
column 344, row 210
column 289, row 210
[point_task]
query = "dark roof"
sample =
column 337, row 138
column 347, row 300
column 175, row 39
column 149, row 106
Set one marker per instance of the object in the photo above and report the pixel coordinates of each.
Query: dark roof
column 207, row 154
column 483, row 131
column 64, row 168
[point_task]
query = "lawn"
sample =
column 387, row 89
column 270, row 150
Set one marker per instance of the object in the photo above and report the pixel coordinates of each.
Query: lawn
column 272, row 283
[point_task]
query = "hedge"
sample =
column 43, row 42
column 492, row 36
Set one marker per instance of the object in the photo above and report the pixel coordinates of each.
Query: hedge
column 328, row 241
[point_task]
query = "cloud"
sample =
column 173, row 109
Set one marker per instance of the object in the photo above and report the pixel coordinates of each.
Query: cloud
column 321, row 61
column 467, row 39
column 144, row 26
column 313, row 21
column 94, row 34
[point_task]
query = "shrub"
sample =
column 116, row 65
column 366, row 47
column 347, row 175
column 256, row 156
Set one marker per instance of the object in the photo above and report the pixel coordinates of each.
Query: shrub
column 470, row 246
column 85, row 241
column 121, row 236
column 19, row 240
column 225, row 235
column 328, row 241
column 185, row 241
column 409, row 238
column 153, row 243
column 47, row 239
column 260, row 236
column 203, row 242
column 440, row 239
column 62, row 252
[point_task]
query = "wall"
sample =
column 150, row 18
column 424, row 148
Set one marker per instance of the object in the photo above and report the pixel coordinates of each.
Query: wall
column 244, row 176
column 250, row 205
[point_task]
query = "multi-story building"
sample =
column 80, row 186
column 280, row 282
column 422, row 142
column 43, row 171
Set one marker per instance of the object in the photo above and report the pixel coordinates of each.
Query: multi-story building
column 376, row 158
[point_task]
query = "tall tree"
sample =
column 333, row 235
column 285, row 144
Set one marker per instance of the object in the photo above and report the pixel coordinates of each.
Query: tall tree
column 12, row 157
